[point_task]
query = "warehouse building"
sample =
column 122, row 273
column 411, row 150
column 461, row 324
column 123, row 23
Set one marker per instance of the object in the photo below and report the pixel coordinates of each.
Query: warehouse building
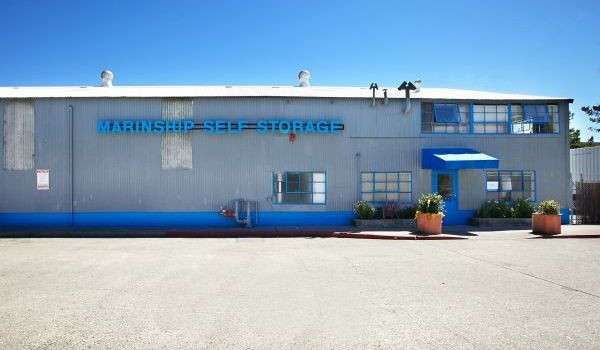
column 219, row 156
column 585, row 164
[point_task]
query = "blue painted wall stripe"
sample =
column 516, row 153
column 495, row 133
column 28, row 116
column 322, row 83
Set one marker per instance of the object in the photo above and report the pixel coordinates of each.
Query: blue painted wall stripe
column 199, row 219
column 171, row 219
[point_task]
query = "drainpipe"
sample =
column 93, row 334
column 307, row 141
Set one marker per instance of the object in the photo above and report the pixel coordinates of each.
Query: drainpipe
column 71, row 166
column 358, row 186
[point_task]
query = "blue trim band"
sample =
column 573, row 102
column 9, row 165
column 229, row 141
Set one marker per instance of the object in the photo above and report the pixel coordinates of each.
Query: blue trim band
column 459, row 217
column 172, row 219
column 565, row 216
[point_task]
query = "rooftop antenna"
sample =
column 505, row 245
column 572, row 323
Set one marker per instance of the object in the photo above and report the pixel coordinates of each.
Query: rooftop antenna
column 373, row 87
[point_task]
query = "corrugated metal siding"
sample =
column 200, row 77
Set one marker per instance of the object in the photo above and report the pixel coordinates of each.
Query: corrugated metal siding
column 585, row 164
column 19, row 129
column 117, row 172
column 472, row 189
column 176, row 149
column 18, row 188
column 2, row 106
column 546, row 155
column 124, row 172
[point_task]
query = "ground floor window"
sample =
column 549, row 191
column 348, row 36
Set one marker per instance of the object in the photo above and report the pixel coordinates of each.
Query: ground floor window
column 299, row 187
column 386, row 186
column 510, row 185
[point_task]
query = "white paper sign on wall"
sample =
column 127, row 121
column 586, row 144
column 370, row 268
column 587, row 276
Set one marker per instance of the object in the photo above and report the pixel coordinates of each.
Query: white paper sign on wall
column 43, row 179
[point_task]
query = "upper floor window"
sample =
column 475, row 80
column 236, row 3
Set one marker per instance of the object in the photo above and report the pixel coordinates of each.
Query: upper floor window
column 445, row 118
column 490, row 119
column 299, row 187
column 455, row 118
column 510, row 185
column 534, row 119
column 386, row 186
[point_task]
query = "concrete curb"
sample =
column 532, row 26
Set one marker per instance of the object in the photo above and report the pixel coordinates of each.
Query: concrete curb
column 396, row 236
column 228, row 233
column 249, row 233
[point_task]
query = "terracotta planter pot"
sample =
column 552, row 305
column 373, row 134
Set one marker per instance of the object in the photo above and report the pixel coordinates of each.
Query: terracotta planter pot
column 546, row 224
column 429, row 224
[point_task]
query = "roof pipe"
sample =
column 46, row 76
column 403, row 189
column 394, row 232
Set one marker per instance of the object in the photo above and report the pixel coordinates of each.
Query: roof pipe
column 407, row 87
column 373, row 87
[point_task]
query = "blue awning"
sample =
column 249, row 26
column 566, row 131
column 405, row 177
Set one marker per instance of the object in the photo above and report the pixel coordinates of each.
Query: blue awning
column 456, row 158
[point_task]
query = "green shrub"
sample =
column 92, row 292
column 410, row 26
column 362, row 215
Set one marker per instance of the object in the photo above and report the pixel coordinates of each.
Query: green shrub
column 378, row 213
column 395, row 210
column 550, row 207
column 364, row 210
column 522, row 208
column 407, row 213
column 430, row 203
column 495, row 209
column 390, row 210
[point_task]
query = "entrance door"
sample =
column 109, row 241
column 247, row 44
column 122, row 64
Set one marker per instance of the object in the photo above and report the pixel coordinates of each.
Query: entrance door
column 445, row 183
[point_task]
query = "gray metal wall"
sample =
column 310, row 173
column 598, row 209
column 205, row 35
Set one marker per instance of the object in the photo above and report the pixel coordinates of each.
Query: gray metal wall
column 585, row 164
column 126, row 173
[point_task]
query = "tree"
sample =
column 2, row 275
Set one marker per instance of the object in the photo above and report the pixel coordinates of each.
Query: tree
column 593, row 113
column 574, row 135
column 574, row 138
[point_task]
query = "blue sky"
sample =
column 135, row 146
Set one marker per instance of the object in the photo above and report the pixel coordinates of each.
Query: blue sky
column 535, row 47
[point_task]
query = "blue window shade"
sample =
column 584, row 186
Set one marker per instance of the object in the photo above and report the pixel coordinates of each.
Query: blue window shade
column 536, row 114
column 446, row 113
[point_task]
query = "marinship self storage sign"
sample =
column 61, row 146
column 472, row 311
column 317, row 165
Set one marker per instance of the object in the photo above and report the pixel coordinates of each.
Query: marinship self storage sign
column 219, row 126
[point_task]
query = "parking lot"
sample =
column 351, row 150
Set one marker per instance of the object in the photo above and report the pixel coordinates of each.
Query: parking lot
column 496, row 290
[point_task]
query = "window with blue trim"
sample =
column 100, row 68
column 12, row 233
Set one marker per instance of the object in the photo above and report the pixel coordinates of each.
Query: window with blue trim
column 490, row 119
column 445, row 118
column 534, row 119
column 299, row 187
column 446, row 113
column 386, row 186
column 510, row 185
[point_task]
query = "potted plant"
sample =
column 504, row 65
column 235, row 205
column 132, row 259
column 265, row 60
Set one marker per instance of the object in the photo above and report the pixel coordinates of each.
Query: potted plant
column 546, row 220
column 430, row 211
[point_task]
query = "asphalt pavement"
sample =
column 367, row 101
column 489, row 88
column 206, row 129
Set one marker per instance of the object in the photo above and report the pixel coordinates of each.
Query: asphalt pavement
column 496, row 290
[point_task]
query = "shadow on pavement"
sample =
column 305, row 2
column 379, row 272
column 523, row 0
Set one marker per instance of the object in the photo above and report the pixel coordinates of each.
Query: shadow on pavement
column 586, row 236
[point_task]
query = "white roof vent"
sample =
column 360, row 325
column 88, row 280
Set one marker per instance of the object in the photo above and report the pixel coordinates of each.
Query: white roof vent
column 304, row 78
column 107, row 78
column 418, row 84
